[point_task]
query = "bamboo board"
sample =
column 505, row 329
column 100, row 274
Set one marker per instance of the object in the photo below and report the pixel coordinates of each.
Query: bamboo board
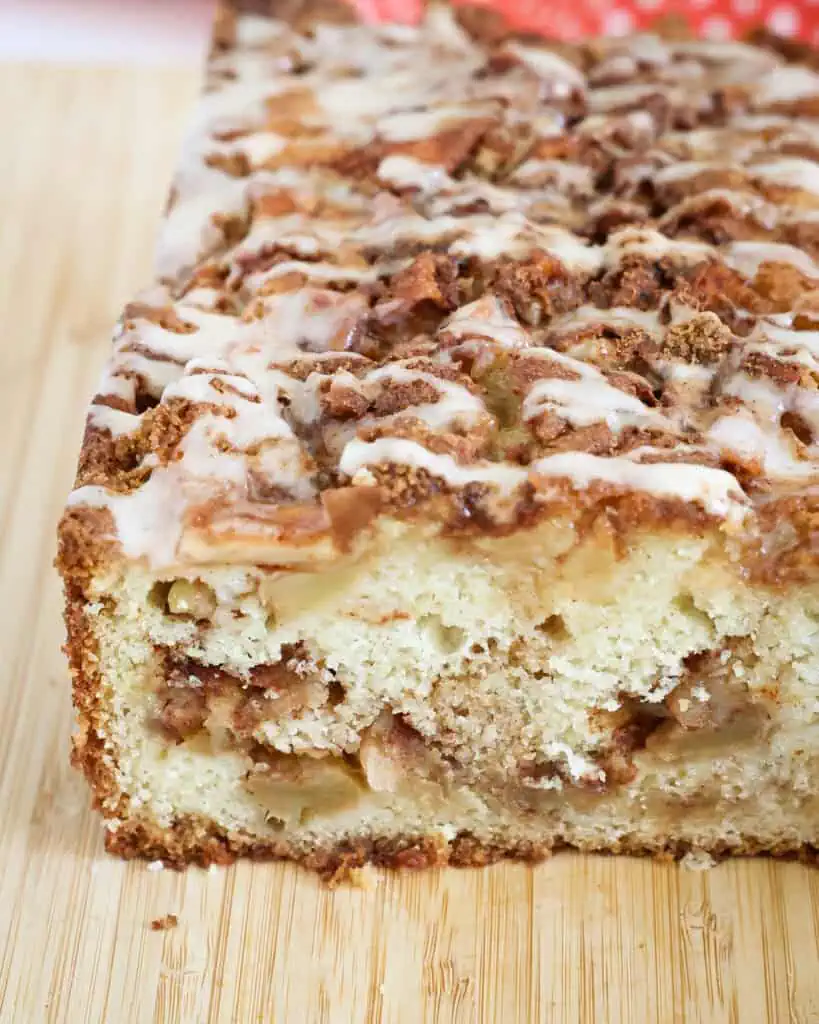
column 84, row 162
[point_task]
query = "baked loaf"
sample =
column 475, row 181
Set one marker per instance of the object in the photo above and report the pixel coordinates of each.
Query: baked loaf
column 452, row 494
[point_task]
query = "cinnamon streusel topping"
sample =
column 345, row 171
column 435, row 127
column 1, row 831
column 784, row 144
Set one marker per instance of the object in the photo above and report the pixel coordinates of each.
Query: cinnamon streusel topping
column 442, row 263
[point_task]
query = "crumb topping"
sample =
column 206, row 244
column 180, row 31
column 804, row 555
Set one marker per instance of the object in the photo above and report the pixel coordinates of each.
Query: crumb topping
column 409, row 262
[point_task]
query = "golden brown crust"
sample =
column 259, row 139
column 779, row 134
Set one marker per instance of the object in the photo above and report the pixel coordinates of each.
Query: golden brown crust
column 85, row 541
column 199, row 842
column 89, row 753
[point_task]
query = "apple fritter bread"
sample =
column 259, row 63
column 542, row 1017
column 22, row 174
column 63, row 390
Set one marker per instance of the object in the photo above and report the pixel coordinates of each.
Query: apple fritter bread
column 452, row 493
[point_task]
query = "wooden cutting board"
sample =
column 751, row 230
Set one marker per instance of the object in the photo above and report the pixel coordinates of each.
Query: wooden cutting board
column 85, row 156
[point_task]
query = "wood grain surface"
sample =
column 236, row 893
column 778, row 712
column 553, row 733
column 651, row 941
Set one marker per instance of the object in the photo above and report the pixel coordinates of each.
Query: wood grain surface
column 84, row 162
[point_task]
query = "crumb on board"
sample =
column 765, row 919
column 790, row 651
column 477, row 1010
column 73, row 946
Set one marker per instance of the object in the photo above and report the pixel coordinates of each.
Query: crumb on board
column 698, row 860
column 163, row 924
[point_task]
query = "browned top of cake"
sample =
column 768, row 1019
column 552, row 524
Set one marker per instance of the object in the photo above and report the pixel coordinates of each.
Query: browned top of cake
column 408, row 263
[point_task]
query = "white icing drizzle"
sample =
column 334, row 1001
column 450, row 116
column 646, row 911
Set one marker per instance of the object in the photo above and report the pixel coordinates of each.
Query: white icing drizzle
column 252, row 419
column 456, row 405
column 746, row 257
column 188, row 231
column 358, row 455
column 789, row 172
column 588, row 399
column 727, row 52
column 147, row 521
column 513, row 234
column 561, row 76
column 645, row 48
column 460, row 194
column 777, row 340
column 486, row 318
column 567, row 178
column 715, row 490
column 319, row 273
column 115, row 421
column 421, row 124
column 572, row 251
column 258, row 147
column 293, row 233
column 686, row 169
column 743, row 434
column 786, row 84
column 115, row 386
column 253, row 30
column 766, row 214
column 601, row 101
column 653, row 245
column 407, row 172
column 312, row 319
column 618, row 316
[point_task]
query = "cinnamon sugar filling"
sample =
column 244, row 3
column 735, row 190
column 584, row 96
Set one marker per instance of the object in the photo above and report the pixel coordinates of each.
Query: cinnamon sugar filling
column 708, row 713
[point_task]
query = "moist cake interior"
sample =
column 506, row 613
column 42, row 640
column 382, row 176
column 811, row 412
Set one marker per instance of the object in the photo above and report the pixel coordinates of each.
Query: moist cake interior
column 600, row 700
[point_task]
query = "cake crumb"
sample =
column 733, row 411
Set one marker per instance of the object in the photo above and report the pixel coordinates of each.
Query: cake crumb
column 698, row 860
column 164, row 924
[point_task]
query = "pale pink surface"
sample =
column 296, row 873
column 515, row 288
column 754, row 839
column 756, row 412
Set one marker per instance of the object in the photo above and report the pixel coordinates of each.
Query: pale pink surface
column 120, row 31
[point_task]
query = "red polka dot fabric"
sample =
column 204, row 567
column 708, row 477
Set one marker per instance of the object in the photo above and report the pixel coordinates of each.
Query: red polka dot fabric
column 713, row 19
